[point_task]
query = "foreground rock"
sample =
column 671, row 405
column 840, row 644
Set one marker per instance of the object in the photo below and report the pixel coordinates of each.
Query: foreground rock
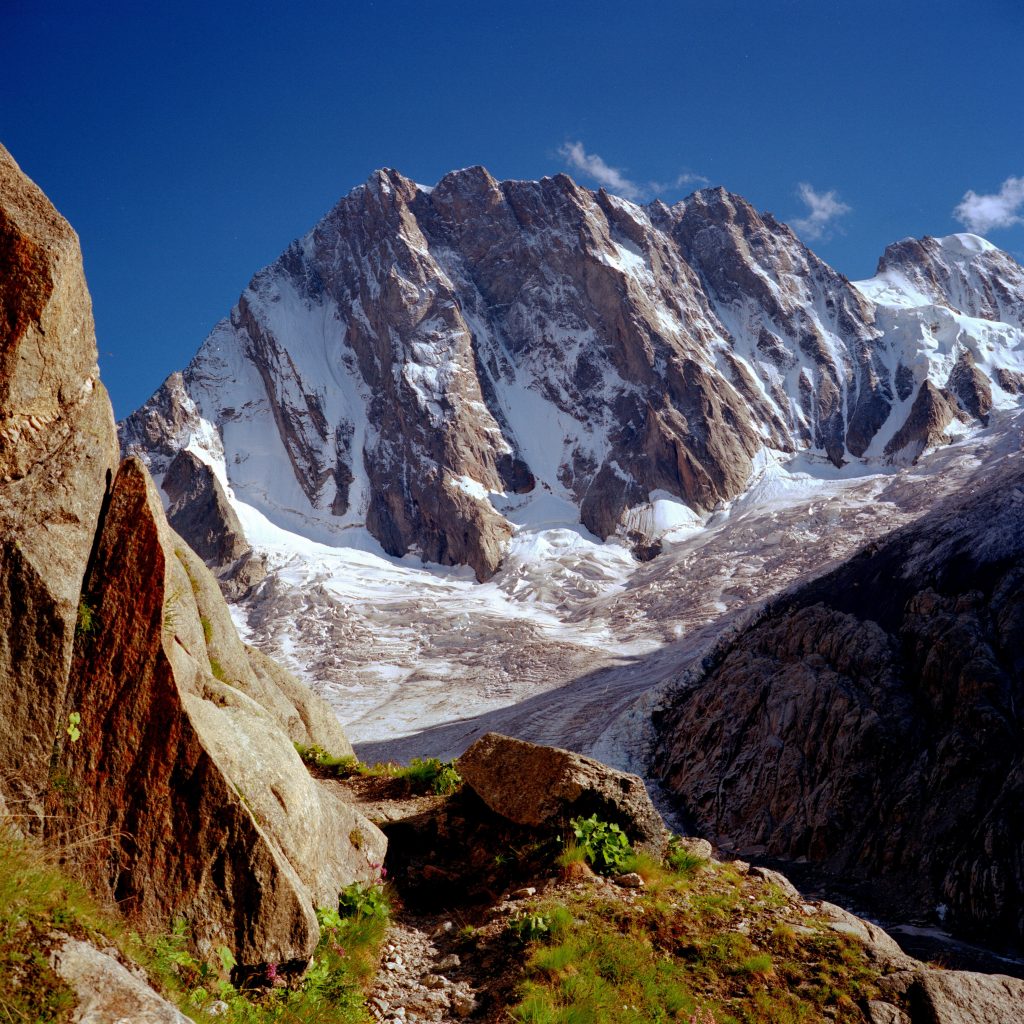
column 129, row 708
column 869, row 721
column 541, row 786
column 58, row 450
column 455, row 860
column 183, row 740
column 107, row 992
column 956, row 997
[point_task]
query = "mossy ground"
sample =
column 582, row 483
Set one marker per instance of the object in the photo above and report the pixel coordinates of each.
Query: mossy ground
column 705, row 943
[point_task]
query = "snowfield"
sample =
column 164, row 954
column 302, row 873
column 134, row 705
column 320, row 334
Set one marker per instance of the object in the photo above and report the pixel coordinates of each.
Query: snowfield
column 571, row 640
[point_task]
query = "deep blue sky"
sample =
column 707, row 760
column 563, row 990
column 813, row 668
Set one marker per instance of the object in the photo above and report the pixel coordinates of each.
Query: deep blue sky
column 188, row 146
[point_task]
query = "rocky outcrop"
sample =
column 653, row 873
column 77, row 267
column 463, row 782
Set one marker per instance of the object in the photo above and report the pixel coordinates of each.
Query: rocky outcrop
column 934, row 409
column 868, row 721
column 130, row 708
column 201, row 514
column 971, row 387
column 182, row 737
column 106, row 991
column 955, row 997
column 434, row 364
column 537, row 786
column 58, row 449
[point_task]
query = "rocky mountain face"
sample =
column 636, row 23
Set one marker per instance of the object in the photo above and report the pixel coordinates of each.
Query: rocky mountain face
column 129, row 707
column 436, row 366
column 870, row 721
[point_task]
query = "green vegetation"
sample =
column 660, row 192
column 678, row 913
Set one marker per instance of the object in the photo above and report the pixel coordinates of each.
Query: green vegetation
column 37, row 897
column 681, row 860
column 72, row 728
column 86, row 622
column 431, row 773
column 703, row 944
column 363, row 899
column 603, row 843
column 207, row 629
column 421, row 775
column 317, row 757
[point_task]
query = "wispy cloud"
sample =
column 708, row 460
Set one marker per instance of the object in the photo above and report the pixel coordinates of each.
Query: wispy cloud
column 594, row 167
column 823, row 209
column 614, row 179
column 688, row 178
column 1002, row 209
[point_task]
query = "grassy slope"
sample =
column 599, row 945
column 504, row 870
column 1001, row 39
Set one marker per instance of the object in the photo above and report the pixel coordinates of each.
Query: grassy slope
column 38, row 898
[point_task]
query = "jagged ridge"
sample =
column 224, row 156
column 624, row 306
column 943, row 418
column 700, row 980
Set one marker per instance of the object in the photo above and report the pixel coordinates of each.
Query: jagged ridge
column 434, row 366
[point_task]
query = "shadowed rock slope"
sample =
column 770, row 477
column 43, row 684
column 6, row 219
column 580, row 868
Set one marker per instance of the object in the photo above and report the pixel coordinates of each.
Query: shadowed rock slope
column 128, row 705
column 870, row 721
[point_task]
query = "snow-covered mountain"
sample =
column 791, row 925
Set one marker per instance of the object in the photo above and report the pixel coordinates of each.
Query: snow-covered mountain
column 433, row 368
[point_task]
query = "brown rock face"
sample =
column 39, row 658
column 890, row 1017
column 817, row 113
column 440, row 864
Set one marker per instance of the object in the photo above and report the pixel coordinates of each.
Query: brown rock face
column 201, row 514
column 867, row 721
column 971, row 387
column 186, row 758
column 185, row 765
column 933, row 410
column 58, row 449
column 533, row 785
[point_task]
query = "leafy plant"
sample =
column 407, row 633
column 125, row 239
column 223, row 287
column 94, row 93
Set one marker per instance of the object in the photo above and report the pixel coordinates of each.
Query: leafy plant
column 441, row 777
column 363, row 899
column 73, row 731
column 603, row 843
column 447, row 780
column 534, row 924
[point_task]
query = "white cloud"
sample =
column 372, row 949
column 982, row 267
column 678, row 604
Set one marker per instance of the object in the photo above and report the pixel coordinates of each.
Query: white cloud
column 822, row 209
column 594, row 167
column 688, row 178
column 613, row 179
column 1002, row 209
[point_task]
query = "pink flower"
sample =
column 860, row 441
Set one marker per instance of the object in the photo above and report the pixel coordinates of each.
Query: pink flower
column 271, row 972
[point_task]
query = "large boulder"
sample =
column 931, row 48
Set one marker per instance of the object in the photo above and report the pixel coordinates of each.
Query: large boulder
column 186, row 760
column 957, row 997
column 58, row 450
column 106, row 991
column 534, row 785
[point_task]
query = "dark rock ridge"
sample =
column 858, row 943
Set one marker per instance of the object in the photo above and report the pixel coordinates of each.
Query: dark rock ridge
column 870, row 721
column 426, row 362
column 201, row 514
column 181, row 759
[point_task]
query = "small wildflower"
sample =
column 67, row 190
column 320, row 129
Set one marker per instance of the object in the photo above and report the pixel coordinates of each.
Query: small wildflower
column 271, row 972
